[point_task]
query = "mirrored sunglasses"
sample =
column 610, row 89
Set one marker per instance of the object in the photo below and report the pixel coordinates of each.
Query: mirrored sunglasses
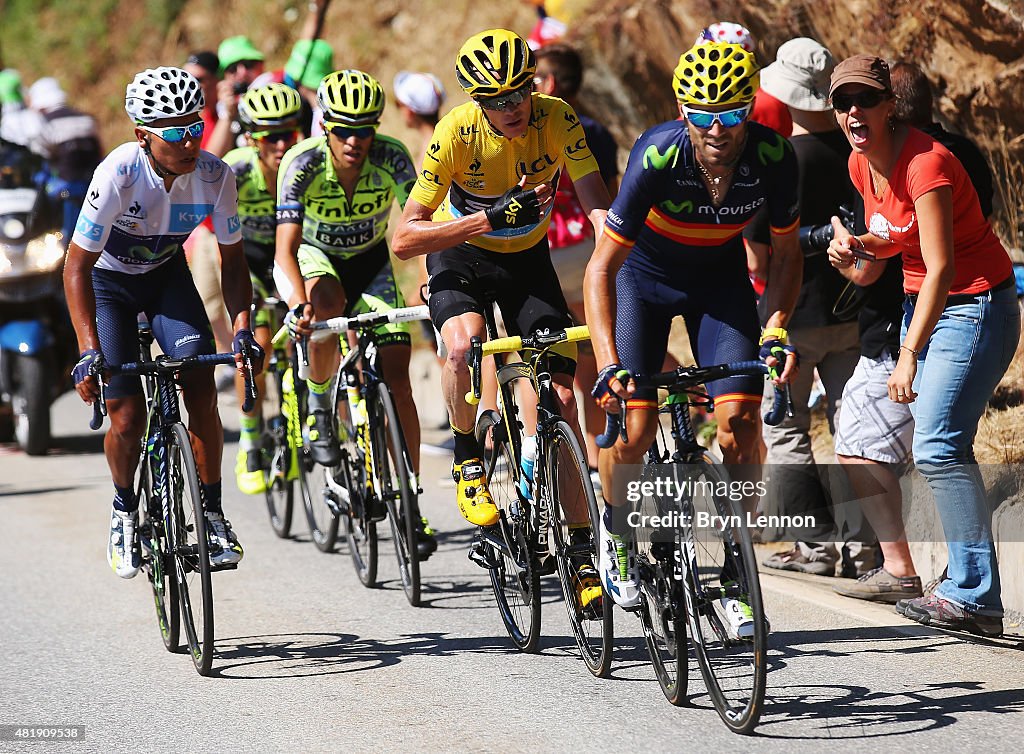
column 174, row 134
column 704, row 120
column 506, row 101
column 344, row 132
column 864, row 100
column 285, row 134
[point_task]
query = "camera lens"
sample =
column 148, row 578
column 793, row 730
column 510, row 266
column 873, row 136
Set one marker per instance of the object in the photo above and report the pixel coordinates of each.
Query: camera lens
column 239, row 88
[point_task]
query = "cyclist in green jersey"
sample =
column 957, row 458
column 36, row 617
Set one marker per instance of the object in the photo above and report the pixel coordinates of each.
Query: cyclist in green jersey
column 334, row 199
column 270, row 119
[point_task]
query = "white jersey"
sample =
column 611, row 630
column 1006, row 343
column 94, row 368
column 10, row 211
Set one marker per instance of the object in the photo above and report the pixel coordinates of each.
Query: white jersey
column 136, row 225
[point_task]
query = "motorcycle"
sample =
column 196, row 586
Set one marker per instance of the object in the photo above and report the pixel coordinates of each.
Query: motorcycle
column 36, row 339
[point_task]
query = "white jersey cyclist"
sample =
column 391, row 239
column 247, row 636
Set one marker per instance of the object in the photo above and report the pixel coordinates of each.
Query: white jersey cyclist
column 128, row 219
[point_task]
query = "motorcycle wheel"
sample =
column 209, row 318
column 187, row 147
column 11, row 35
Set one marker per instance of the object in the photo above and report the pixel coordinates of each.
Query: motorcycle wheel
column 31, row 404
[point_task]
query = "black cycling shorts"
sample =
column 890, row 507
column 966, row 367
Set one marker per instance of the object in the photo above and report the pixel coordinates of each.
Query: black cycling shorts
column 523, row 284
column 721, row 320
column 173, row 307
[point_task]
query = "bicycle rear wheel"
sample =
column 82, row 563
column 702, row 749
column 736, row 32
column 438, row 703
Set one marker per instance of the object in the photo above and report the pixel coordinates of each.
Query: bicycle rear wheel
column 280, row 461
column 192, row 560
column 514, row 577
column 397, row 482
column 157, row 557
column 722, row 568
column 569, row 486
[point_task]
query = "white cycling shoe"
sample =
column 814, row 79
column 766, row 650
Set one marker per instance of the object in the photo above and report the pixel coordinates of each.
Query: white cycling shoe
column 122, row 553
column 737, row 618
column 618, row 569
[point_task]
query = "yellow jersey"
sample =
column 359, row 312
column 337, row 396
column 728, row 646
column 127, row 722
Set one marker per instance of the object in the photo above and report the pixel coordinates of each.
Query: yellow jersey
column 468, row 165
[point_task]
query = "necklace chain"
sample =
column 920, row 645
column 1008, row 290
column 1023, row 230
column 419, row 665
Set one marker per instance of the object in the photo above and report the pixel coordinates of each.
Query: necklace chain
column 714, row 181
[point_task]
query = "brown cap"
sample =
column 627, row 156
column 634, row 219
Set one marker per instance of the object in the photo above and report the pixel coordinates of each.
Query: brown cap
column 869, row 70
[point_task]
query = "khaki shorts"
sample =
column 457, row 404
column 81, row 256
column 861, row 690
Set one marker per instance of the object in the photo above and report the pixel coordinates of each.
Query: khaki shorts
column 870, row 425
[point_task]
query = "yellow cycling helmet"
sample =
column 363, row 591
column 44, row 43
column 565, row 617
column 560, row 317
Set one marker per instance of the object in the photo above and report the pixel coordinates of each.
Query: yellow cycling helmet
column 716, row 73
column 494, row 62
column 268, row 106
column 350, row 97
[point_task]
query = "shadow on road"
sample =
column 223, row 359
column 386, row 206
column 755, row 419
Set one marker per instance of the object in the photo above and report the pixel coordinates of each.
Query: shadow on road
column 314, row 654
column 855, row 711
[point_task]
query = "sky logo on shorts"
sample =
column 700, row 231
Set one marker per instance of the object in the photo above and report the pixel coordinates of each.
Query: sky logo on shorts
column 89, row 229
column 185, row 217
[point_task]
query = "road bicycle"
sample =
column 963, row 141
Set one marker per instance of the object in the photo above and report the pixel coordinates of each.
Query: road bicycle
column 692, row 566
column 172, row 536
column 375, row 478
column 518, row 549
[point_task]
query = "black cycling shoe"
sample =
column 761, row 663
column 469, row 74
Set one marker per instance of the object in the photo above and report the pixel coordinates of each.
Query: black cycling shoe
column 323, row 443
column 426, row 542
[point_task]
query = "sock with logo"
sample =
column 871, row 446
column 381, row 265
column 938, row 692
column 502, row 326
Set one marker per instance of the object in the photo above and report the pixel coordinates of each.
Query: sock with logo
column 212, row 497
column 320, row 394
column 248, row 432
column 125, row 499
column 466, row 446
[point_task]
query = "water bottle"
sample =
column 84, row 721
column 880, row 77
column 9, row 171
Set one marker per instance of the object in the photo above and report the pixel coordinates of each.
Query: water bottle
column 529, row 456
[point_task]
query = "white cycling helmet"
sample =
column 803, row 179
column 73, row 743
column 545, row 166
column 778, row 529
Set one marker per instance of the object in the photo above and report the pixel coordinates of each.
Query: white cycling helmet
column 163, row 92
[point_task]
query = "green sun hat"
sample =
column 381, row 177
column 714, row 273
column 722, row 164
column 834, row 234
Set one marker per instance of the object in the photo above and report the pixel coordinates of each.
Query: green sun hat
column 320, row 59
column 10, row 87
column 234, row 49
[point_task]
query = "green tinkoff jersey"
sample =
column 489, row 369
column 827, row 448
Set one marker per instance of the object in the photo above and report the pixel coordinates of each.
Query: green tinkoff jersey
column 256, row 206
column 309, row 194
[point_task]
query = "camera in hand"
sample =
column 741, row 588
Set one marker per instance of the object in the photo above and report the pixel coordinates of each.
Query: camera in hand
column 239, row 88
column 816, row 237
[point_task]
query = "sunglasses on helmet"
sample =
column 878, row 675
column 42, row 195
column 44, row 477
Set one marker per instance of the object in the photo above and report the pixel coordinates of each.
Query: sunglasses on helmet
column 174, row 134
column 281, row 134
column 506, row 101
column 864, row 100
column 704, row 120
column 343, row 131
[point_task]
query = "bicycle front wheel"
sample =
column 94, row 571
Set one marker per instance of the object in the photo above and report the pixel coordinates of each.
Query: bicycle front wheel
column 397, row 485
column 280, row 461
column 514, row 577
column 723, row 593
column 320, row 515
column 157, row 556
column 190, row 547
column 570, row 490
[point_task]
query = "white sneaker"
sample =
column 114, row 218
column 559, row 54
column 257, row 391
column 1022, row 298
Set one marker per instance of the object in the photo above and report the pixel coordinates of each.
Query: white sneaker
column 618, row 569
column 223, row 544
column 122, row 552
column 737, row 617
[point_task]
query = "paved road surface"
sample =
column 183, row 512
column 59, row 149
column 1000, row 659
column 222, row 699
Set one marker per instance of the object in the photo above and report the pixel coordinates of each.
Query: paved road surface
column 307, row 659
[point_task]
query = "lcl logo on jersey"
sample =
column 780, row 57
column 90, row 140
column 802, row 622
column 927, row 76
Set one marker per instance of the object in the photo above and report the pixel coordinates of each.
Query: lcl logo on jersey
column 575, row 151
column 540, row 164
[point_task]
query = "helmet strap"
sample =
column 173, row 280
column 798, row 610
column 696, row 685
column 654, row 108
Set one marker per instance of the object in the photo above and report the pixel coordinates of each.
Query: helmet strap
column 159, row 169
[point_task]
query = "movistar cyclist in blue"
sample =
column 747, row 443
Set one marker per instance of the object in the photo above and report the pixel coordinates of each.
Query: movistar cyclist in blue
column 673, row 246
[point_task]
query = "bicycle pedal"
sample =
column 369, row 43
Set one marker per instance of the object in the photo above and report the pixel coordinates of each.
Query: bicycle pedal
column 378, row 511
column 223, row 567
column 482, row 555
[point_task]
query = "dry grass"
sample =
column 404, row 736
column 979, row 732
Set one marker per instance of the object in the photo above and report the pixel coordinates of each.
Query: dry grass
column 1008, row 172
column 1001, row 430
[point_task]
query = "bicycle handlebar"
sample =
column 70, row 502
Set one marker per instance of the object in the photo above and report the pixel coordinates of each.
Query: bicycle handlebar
column 540, row 341
column 685, row 377
column 166, row 365
column 363, row 321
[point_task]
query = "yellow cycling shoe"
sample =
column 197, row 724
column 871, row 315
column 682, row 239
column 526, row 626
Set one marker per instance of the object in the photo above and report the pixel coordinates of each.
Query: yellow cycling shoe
column 588, row 591
column 475, row 503
column 248, row 473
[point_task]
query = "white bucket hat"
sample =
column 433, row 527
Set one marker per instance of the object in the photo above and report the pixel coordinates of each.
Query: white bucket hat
column 800, row 75
column 423, row 93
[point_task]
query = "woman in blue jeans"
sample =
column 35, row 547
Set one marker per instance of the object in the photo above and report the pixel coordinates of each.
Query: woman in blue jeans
column 960, row 329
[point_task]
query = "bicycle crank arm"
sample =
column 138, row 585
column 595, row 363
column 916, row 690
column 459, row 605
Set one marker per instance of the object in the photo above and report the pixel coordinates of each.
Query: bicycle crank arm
column 482, row 555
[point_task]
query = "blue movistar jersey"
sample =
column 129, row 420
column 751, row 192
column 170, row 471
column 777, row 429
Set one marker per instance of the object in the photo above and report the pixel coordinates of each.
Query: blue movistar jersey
column 665, row 212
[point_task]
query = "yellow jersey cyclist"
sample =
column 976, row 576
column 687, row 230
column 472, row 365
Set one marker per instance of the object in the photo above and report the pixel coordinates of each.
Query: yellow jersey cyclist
column 270, row 120
column 673, row 246
column 481, row 208
column 334, row 197
column 126, row 258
